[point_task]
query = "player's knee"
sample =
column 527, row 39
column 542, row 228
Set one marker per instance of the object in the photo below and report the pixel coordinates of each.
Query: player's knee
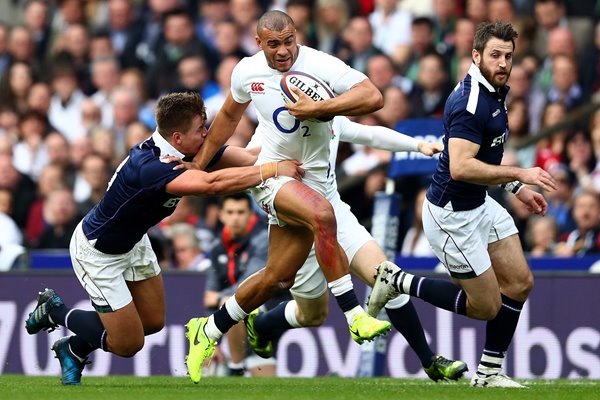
column 128, row 347
column 324, row 218
column 485, row 310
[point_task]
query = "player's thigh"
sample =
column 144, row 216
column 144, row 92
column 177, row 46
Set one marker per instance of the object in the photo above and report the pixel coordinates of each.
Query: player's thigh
column 511, row 268
column 149, row 299
column 124, row 330
column 483, row 295
column 298, row 204
column 312, row 311
column 288, row 248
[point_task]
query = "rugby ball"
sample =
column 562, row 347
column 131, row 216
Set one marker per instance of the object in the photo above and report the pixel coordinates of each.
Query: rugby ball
column 308, row 84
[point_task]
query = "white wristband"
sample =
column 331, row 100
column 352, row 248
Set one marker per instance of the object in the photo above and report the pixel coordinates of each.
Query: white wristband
column 513, row 187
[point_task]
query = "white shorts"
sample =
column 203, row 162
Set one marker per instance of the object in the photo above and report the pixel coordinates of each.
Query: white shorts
column 264, row 195
column 310, row 282
column 104, row 276
column 460, row 238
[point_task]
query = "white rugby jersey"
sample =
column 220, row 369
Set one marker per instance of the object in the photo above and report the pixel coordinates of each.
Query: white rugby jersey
column 283, row 136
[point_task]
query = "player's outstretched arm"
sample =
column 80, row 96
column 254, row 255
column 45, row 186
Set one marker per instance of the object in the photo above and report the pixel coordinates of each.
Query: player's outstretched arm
column 380, row 137
column 220, row 130
column 231, row 180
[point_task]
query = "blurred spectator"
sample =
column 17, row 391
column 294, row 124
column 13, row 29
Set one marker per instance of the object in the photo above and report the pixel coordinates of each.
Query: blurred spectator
column 560, row 42
column 431, row 89
column 331, row 18
column 391, row 27
column 585, row 239
column 39, row 97
column 126, row 107
column 5, row 57
column 541, row 236
column 245, row 13
column 124, row 31
column 382, row 72
column 91, row 115
column 64, row 113
column 240, row 251
column 463, row 46
column 75, row 43
column 6, row 201
column 415, row 243
column 595, row 182
column 476, row 10
column 60, row 213
column 228, row 40
column 79, row 149
column 521, row 87
column 68, row 12
column 358, row 38
column 463, row 68
column 21, row 47
column 101, row 46
column 444, row 20
column 365, row 158
column 103, row 143
column 12, row 254
column 518, row 123
column 188, row 212
column 550, row 15
column 590, row 71
column 29, row 152
column 194, row 75
column 211, row 12
column 179, row 40
column 578, row 155
column 57, row 148
column 133, row 79
column 501, row 10
column 188, row 254
column 421, row 44
column 549, row 150
column 396, row 107
column 15, row 84
column 301, row 13
column 565, row 87
column 560, row 201
column 52, row 178
column 136, row 133
column 105, row 77
column 96, row 172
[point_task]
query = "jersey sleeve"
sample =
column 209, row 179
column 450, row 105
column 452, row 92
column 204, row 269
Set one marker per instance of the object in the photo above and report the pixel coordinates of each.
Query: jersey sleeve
column 466, row 125
column 239, row 94
column 156, row 174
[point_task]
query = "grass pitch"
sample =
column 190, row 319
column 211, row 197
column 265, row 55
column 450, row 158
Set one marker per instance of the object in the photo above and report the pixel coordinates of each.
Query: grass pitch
column 17, row 387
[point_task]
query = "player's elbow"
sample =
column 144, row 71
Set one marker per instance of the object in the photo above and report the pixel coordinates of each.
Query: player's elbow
column 458, row 171
column 376, row 100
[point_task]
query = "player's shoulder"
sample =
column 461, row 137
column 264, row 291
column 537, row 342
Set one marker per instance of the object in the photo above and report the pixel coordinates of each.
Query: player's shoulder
column 468, row 97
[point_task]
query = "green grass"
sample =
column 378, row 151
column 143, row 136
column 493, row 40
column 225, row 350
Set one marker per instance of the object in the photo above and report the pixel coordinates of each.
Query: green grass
column 17, row 387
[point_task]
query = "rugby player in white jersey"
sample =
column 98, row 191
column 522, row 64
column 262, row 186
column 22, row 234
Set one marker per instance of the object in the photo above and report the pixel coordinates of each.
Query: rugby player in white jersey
column 299, row 214
column 310, row 303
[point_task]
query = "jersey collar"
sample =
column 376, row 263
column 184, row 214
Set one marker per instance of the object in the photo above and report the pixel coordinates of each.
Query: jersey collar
column 166, row 149
column 477, row 76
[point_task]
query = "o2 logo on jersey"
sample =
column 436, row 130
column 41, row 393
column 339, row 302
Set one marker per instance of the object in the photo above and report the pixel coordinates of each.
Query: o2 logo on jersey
column 278, row 124
column 172, row 202
column 500, row 139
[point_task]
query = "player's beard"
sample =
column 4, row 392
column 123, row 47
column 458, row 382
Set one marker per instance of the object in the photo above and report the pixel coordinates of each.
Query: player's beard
column 495, row 80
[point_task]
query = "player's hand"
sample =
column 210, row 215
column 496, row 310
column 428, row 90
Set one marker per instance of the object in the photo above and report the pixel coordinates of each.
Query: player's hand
column 533, row 200
column 180, row 163
column 290, row 168
column 304, row 107
column 538, row 176
column 429, row 149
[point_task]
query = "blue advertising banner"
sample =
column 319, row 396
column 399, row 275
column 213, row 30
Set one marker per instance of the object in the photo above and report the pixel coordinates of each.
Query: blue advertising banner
column 415, row 163
column 558, row 335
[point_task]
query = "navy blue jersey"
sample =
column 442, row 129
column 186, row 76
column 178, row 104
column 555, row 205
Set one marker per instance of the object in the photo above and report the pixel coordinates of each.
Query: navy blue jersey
column 474, row 111
column 136, row 198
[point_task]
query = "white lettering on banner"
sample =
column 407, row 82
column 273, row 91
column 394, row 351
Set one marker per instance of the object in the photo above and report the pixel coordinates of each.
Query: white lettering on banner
column 525, row 339
column 396, row 354
column 444, row 332
column 468, row 351
column 32, row 346
column 177, row 350
column 336, row 363
column 8, row 318
column 303, row 341
column 580, row 340
column 142, row 361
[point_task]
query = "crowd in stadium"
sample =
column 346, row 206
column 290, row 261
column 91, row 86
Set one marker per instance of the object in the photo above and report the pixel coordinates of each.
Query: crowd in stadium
column 79, row 81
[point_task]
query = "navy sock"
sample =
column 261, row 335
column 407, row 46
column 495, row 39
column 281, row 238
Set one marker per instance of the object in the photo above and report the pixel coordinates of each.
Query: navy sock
column 80, row 347
column 223, row 320
column 272, row 322
column 88, row 326
column 347, row 301
column 500, row 330
column 406, row 320
column 59, row 314
column 440, row 293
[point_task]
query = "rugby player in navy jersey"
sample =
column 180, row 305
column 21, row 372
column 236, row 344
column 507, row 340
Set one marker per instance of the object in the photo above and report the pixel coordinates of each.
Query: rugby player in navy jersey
column 110, row 250
column 472, row 235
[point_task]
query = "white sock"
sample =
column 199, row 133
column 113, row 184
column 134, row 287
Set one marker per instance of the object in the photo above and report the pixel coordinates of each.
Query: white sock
column 352, row 313
column 290, row 314
column 234, row 310
column 408, row 278
column 212, row 331
column 490, row 365
column 341, row 285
